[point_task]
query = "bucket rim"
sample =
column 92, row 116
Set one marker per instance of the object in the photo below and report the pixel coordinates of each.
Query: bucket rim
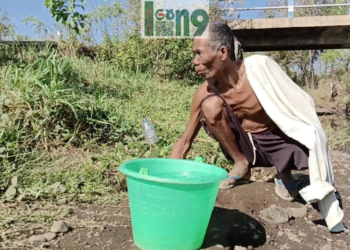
column 123, row 169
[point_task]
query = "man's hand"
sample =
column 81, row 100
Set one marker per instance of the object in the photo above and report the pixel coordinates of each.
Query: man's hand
column 183, row 145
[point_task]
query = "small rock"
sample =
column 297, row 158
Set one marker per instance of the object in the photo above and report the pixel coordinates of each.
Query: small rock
column 250, row 248
column 49, row 236
column 274, row 215
column 97, row 234
column 240, row 248
column 44, row 245
column 326, row 247
column 36, row 239
column 297, row 212
column 347, row 231
column 285, row 246
column 341, row 243
column 59, row 227
column 280, row 233
column 293, row 237
column 327, row 239
column 219, row 246
column 302, row 234
column 322, row 227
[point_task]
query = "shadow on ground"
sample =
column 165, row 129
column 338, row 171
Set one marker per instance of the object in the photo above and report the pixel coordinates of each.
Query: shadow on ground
column 231, row 228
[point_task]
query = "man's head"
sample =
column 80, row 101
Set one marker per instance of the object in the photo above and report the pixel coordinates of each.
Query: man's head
column 217, row 51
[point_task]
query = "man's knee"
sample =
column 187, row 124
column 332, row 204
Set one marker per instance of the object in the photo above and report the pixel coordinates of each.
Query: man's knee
column 212, row 109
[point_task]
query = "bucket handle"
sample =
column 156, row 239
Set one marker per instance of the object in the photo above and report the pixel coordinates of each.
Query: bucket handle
column 199, row 159
column 143, row 171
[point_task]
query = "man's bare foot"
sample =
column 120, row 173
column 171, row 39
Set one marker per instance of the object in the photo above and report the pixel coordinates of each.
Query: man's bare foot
column 288, row 190
column 240, row 170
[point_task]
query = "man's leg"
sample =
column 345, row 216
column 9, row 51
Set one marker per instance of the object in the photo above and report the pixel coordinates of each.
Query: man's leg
column 289, row 182
column 287, row 155
column 295, row 153
column 215, row 115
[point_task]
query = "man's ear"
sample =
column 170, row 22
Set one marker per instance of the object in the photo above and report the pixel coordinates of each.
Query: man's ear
column 223, row 52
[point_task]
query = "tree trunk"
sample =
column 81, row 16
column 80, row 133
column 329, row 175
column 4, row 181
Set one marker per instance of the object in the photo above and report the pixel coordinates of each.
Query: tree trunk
column 312, row 82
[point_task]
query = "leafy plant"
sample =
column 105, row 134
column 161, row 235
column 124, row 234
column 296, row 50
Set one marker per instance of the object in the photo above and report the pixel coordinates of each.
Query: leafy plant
column 65, row 11
column 39, row 26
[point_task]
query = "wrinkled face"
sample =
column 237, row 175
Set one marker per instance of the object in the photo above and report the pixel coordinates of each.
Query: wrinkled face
column 208, row 63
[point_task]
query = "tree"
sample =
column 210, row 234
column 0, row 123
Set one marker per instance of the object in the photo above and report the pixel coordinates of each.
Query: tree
column 104, row 20
column 302, row 61
column 65, row 11
column 6, row 26
column 39, row 26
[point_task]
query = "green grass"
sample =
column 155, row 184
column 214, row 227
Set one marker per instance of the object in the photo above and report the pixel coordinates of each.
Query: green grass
column 74, row 121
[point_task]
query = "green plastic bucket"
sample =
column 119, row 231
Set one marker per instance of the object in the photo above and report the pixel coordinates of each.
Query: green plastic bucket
column 171, row 201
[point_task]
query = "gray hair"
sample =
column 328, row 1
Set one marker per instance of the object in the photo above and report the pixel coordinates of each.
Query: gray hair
column 220, row 34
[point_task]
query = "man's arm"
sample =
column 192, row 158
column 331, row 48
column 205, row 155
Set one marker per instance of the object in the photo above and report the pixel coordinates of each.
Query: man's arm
column 183, row 145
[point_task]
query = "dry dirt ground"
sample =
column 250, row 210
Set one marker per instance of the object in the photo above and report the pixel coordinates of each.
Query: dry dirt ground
column 235, row 220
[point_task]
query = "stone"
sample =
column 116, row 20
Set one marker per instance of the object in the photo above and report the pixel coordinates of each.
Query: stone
column 59, row 227
column 274, row 215
column 240, row 248
column 285, row 246
column 36, row 239
column 302, row 234
column 297, row 212
column 341, row 243
column 280, row 233
column 49, row 236
column 44, row 245
column 326, row 247
column 327, row 239
column 322, row 227
column 219, row 246
column 293, row 237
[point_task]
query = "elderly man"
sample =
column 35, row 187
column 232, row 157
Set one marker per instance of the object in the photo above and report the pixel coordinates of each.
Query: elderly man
column 259, row 117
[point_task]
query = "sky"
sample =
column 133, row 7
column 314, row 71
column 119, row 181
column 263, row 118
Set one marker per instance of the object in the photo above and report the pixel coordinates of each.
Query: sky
column 16, row 9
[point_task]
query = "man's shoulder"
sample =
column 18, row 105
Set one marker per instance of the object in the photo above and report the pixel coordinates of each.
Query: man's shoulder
column 202, row 89
column 258, row 57
column 201, row 92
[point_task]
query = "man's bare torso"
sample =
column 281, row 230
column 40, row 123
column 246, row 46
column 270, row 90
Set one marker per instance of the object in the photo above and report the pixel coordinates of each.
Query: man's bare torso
column 243, row 102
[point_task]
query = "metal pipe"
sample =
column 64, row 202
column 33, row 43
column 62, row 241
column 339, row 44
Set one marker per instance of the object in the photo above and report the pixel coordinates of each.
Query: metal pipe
column 286, row 7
